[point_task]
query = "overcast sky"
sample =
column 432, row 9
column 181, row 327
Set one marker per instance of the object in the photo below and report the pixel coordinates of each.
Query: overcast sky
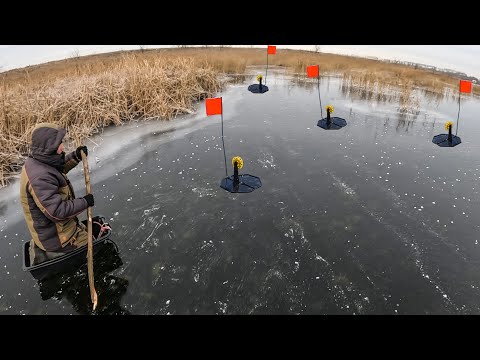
column 464, row 58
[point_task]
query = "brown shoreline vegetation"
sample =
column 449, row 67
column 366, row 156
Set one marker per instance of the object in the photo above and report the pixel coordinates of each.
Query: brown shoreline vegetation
column 85, row 94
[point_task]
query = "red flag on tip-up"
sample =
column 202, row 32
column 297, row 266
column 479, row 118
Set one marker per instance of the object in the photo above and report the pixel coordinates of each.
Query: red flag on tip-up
column 213, row 106
column 271, row 50
column 465, row 86
column 313, row 71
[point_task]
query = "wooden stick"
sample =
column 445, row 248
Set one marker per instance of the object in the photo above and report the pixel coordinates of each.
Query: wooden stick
column 93, row 293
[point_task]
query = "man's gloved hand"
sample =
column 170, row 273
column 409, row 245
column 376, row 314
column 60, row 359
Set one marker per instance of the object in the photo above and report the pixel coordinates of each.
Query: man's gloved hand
column 90, row 201
column 78, row 154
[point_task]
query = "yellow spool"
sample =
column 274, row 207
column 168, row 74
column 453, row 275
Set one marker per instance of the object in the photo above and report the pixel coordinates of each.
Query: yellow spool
column 239, row 161
column 448, row 124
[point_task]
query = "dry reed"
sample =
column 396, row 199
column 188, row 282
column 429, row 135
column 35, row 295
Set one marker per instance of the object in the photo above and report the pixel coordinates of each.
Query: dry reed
column 131, row 88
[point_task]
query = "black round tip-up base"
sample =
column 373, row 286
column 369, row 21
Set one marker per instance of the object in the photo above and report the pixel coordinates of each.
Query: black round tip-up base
column 247, row 183
column 257, row 89
column 442, row 140
column 335, row 123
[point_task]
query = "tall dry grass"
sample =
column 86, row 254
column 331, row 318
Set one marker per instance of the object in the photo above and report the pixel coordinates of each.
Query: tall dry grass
column 235, row 60
column 84, row 94
column 127, row 89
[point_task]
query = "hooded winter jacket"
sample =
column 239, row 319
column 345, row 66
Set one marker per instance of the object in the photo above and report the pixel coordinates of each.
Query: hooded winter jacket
column 46, row 194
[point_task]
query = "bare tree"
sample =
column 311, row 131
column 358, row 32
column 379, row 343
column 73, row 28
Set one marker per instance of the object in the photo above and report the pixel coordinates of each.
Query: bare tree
column 142, row 47
column 316, row 48
column 75, row 54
